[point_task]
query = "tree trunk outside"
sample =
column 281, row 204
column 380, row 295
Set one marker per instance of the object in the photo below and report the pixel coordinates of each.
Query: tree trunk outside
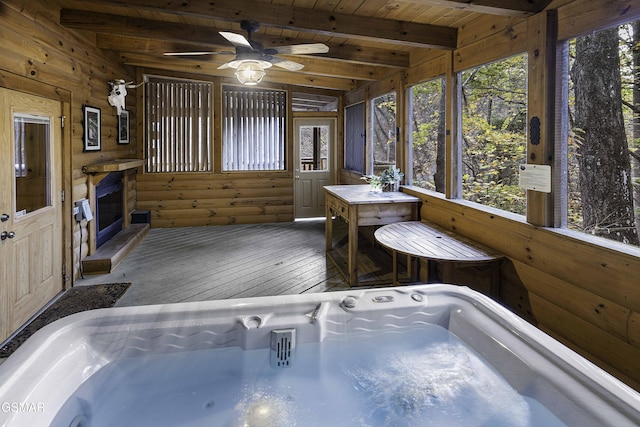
column 603, row 157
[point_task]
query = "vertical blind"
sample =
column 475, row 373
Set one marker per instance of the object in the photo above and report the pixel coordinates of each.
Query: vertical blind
column 178, row 125
column 253, row 129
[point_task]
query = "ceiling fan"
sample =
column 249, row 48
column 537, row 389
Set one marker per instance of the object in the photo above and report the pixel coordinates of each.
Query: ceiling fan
column 251, row 58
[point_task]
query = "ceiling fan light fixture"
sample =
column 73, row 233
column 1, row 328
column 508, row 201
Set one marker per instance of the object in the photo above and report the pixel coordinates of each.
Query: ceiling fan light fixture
column 250, row 72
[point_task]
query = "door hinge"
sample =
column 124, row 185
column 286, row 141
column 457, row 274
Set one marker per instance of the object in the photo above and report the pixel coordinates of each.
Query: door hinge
column 62, row 121
column 62, row 195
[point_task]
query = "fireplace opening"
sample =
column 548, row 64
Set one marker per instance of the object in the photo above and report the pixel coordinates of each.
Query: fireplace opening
column 109, row 207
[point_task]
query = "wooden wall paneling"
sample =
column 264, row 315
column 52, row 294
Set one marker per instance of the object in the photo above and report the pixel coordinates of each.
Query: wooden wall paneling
column 355, row 96
column 196, row 196
column 486, row 26
column 347, row 177
column 435, row 67
column 595, row 309
column 213, row 199
column 610, row 369
column 389, row 84
column 585, row 16
column 614, row 352
column 428, row 56
column 158, row 204
column 513, row 293
column 501, row 45
column 203, row 182
column 634, row 328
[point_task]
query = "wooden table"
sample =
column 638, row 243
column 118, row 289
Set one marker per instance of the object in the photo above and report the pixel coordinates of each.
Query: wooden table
column 433, row 243
column 358, row 206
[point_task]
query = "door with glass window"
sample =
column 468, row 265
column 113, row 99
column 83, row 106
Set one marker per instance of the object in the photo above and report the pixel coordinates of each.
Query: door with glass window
column 314, row 146
column 30, row 207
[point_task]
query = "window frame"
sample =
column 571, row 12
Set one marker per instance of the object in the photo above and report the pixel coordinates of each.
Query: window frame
column 370, row 160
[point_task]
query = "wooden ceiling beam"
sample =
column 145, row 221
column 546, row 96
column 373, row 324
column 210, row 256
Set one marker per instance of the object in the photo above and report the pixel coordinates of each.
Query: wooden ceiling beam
column 301, row 19
column 514, row 8
column 117, row 24
column 211, row 69
column 349, row 53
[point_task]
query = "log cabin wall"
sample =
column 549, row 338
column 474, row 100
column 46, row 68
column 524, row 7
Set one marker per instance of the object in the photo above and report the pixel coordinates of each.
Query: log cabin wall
column 217, row 197
column 185, row 200
column 582, row 290
column 40, row 56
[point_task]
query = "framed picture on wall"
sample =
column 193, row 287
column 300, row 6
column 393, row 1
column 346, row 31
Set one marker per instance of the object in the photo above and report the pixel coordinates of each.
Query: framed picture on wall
column 91, row 128
column 123, row 127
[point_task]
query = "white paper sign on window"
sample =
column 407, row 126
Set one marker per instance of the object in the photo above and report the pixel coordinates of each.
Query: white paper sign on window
column 535, row 177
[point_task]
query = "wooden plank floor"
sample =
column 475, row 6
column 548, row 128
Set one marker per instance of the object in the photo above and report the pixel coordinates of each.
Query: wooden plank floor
column 235, row 261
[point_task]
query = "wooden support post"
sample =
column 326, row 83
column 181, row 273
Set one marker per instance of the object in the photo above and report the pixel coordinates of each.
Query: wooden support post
column 541, row 41
column 453, row 132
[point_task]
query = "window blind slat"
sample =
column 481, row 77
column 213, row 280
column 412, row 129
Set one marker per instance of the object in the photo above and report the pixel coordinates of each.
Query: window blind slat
column 253, row 129
column 178, row 126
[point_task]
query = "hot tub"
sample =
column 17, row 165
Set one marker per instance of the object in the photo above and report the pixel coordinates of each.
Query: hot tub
column 425, row 355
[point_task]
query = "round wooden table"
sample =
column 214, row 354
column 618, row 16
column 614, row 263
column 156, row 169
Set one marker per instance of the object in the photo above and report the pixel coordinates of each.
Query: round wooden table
column 418, row 239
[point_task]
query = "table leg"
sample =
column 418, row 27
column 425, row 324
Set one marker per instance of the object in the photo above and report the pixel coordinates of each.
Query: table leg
column 328, row 227
column 394, row 278
column 352, row 262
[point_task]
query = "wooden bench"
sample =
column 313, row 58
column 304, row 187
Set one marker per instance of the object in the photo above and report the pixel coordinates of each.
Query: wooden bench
column 418, row 239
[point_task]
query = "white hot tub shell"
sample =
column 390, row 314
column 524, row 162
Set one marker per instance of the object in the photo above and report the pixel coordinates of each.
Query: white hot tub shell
column 48, row 380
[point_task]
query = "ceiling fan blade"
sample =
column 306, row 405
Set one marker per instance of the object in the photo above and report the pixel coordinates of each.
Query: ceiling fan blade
column 286, row 64
column 302, row 49
column 223, row 66
column 196, row 53
column 236, row 39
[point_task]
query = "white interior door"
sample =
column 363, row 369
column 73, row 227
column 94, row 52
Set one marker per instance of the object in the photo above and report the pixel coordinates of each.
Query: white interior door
column 30, row 205
column 314, row 146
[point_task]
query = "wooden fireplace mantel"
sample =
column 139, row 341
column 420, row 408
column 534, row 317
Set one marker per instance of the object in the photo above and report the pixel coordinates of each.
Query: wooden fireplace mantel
column 113, row 165
column 101, row 169
column 97, row 172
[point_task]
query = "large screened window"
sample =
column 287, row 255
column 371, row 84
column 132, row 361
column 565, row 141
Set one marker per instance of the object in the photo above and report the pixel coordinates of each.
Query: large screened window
column 427, row 154
column 178, row 125
column 604, row 133
column 494, row 117
column 253, row 129
column 383, row 132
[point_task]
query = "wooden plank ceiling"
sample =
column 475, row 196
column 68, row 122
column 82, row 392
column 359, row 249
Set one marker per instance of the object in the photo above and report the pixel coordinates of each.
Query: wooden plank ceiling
column 367, row 39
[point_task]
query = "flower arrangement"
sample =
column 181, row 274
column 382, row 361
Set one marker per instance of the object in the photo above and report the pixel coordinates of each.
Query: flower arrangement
column 388, row 180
